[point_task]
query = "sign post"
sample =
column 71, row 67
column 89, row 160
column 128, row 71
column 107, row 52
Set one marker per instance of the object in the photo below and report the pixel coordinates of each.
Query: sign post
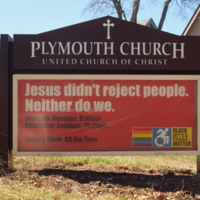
column 198, row 164
column 5, row 102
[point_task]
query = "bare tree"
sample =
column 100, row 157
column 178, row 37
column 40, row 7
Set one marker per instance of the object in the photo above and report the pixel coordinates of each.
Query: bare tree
column 101, row 7
column 180, row 6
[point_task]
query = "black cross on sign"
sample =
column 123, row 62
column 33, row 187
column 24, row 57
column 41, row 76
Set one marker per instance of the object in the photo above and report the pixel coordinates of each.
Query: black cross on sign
column 108, row 25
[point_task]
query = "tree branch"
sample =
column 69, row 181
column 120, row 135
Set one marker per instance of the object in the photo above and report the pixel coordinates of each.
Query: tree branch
column 164, row 13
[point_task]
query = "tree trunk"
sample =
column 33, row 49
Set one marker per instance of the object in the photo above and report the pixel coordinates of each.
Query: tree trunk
column 118, row 7
column 136, row 5
column 164, row 13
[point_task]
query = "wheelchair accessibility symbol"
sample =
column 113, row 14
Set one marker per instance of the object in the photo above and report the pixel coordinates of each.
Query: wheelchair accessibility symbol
column 162, row 137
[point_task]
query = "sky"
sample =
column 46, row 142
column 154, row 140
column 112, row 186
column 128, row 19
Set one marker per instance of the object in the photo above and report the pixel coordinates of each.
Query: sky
column 38, row 16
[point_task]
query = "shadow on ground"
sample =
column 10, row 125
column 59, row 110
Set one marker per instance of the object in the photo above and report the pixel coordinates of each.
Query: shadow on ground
column 169, row 182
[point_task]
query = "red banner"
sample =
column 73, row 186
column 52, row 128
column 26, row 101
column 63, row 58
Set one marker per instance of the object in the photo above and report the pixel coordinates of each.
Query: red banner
column 106, row 115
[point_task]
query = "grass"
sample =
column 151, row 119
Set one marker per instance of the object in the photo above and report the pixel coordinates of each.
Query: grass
column 148, row 162
column 24, row 193
column 12, row 191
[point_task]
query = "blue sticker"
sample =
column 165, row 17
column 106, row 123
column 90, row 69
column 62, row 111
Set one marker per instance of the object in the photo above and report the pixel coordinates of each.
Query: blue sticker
column 162, row 137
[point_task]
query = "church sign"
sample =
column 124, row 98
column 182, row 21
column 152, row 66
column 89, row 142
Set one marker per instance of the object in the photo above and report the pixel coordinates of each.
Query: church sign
column 104, row 113
column 106, row 44
column 104, row 87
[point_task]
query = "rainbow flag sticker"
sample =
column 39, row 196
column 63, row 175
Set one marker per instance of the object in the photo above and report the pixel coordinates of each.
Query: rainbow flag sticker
column 142, row 137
